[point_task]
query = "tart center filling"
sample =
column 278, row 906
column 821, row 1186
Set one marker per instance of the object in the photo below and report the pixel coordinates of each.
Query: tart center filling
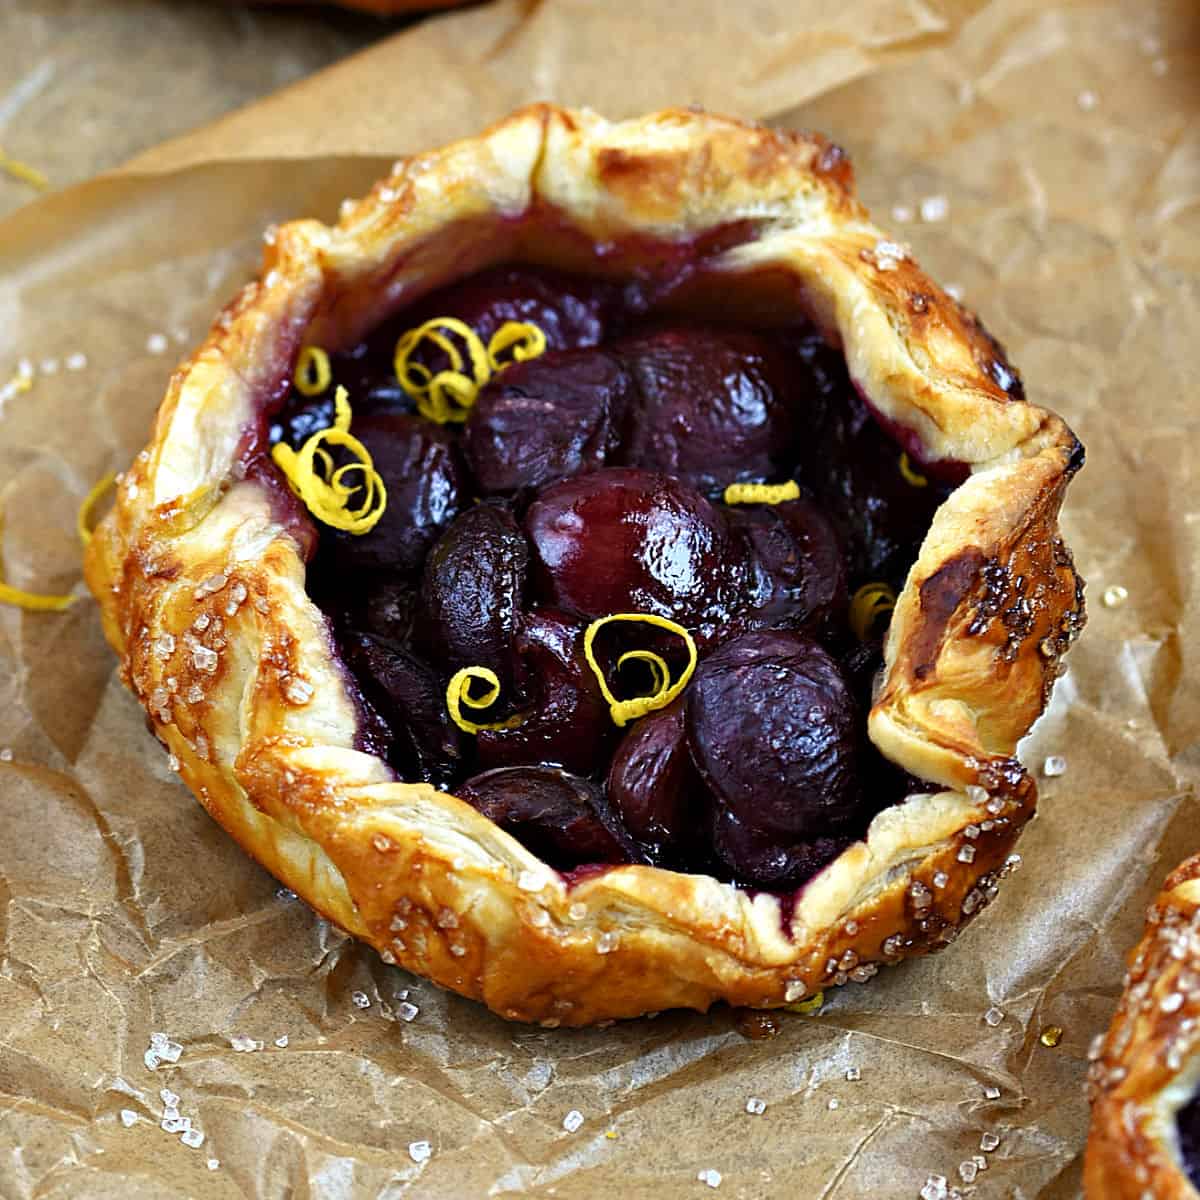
column 626, row 590
column 1188, row 1125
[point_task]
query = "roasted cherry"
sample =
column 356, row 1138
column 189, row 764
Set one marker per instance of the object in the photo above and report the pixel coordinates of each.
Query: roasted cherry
column 765, row 859
column 853, row 468
column 655, row 790
column 569, row 310
column 561, row 818
column 473, row 590
column 773, row 730
column 624, row 540
column 1188, row 1124
column 797, row 579
column 712, row 406
column 564, row 717
column 301, row 419
column 425, row 481
column 547, row 418
column 409, row 695
column 384, row 607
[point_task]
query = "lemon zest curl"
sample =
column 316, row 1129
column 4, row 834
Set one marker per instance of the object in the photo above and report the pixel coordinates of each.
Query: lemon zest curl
column 912, row 476
column 17, row 169
column 762, row 493
column 458, row 693
column 811, row 1005
column 624, row 711
column 449, row 395
column 83, row 515
column 313, row 372
column 869, row 603
column 324, row 487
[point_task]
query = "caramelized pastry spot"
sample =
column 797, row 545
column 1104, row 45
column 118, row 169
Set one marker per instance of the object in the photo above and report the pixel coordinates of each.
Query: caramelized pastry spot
column 869, row 603
column 911, row 476
column 623, row 711
column 762, row 493
column 313, row 372
column 83, row 517
column 458, row 693
column 324, row 487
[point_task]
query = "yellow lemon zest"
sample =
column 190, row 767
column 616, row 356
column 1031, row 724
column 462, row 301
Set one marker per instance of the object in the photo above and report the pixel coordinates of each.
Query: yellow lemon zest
column 458, row 693
column 623, row 711
column 912, row 476
column 18, row 384
column 869, row 603
column 662, row 673
column 811, row 1005
column 24, row 172
column 313, row 372
column 523, row 338
column 447, row 395
column 33, row 601
column 762, row 493
column 324, row 488
column 83, row 515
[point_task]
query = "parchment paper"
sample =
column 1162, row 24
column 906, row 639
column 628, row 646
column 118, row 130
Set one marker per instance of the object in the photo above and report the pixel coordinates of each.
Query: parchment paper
column 1053, row 150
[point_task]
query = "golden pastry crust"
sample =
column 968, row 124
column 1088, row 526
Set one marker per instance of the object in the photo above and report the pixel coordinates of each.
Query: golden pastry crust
column 1147, row 1068
column 200, row 576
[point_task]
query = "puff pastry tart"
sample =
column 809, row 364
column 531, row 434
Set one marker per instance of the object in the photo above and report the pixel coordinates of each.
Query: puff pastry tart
column 1144, row 1080
column 508, row 572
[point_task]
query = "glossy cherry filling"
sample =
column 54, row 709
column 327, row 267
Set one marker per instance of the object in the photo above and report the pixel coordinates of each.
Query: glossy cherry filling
column 590, row 480
column 1188, row 1125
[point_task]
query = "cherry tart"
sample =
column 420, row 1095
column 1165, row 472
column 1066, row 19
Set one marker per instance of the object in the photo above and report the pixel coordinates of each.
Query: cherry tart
column 603, row 572
column 1144, row 1081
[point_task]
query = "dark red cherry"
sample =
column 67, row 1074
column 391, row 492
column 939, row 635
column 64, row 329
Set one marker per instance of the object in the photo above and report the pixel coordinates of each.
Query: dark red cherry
column 763, row 860
column 473, row 591
column 772, row 728
column 655, row 790
column 853, row 468
column 712, row 406
column 569, row 310
column 301, row 418
column 426, row 487
column 625, row 540
column 411, row 698
column 797, row 576
column 545, row 419
column 565, row 720
column 563, row 819
column 383, row 606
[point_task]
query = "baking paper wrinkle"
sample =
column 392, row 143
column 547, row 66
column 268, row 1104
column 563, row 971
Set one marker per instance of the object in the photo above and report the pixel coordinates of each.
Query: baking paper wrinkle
column 124, row 910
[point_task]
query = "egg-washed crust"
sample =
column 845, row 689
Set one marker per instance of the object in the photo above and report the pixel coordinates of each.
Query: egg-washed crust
column 262, row 717
column 1148, row 1065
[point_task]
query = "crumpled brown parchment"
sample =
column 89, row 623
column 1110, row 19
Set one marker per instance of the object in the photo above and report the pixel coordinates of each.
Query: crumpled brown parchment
column 1041, row 158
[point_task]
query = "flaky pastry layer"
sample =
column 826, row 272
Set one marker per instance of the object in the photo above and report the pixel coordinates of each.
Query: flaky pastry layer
column 1147, row 1068
column 200, row 575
